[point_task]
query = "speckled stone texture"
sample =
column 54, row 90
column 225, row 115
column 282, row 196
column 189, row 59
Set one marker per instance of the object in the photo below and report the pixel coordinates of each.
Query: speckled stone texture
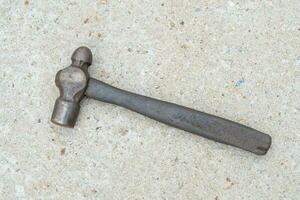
column 236, row 59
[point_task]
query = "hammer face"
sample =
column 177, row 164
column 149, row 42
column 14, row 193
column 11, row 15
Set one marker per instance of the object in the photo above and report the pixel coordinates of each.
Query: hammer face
column 65, row 113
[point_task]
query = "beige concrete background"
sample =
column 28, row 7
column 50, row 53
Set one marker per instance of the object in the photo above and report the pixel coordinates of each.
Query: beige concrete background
column 236, row 59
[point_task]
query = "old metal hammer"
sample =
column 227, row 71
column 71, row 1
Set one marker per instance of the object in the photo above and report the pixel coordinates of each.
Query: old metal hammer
column 74, row 83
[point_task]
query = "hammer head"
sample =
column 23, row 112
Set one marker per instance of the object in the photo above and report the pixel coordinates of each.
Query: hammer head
column 72, row 82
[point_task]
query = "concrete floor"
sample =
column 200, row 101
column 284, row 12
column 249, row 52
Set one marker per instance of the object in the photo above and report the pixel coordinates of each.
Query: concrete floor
column 235, row 59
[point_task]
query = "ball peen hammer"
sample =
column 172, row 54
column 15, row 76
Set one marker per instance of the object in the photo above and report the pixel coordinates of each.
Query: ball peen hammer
column 74, row 83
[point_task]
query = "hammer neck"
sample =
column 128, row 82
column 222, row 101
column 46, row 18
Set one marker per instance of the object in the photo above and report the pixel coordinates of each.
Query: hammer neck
column 82, row 65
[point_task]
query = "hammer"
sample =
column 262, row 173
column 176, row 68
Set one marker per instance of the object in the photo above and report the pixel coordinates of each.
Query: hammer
column 74, row 83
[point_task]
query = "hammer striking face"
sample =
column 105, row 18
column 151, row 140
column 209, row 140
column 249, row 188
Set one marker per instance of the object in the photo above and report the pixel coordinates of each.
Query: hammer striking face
column 74, row 83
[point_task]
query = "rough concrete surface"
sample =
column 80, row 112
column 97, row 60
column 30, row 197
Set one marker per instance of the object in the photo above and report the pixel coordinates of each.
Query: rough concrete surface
column 235, row 59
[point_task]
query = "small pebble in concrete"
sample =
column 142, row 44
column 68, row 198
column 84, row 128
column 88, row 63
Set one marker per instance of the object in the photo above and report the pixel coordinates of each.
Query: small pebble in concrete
column 63, row 151
column 240, row 82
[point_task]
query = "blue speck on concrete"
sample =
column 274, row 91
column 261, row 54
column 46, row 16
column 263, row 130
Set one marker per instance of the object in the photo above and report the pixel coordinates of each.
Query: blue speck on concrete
column 239, row 82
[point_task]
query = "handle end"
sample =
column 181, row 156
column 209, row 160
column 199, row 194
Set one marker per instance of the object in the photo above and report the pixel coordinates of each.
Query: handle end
column 264, row 146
